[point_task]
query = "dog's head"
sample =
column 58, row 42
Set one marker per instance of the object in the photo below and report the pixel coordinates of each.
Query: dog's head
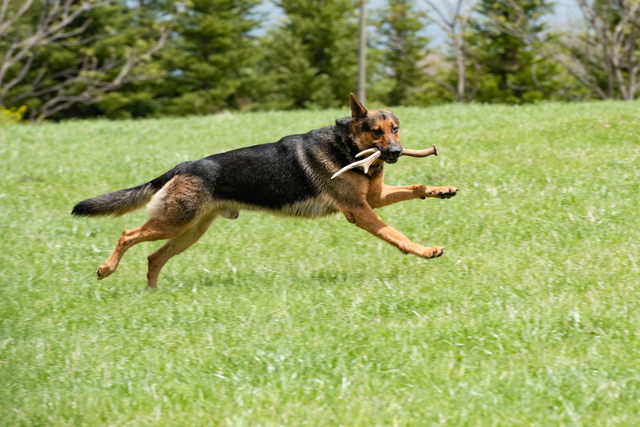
column 375, row 129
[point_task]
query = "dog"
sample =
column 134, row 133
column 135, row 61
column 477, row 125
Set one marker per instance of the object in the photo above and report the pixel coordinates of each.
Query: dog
column 291, row 177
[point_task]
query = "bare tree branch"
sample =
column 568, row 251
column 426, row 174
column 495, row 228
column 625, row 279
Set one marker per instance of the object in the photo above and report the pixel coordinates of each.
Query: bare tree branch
column 88, row 76
column 5, row 24
column 44, row 32
column 453, row 19
column 397, row 43
column 20, row 76
column 608, row 44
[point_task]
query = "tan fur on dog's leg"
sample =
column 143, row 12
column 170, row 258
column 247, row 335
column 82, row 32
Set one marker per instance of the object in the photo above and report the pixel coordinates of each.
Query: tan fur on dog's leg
column 154, row 229
column 365, row 218
column 381, row 194
column 173, row 247
column 174, row 209
column 385, row 195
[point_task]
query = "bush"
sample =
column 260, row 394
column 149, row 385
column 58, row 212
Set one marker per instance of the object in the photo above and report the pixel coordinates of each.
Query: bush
column 12, row 115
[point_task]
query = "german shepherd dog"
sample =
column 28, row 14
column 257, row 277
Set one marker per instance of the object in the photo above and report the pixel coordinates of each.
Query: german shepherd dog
column 291, row 177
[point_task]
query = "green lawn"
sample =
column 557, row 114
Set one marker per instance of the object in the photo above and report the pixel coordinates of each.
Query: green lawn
column 531, row 317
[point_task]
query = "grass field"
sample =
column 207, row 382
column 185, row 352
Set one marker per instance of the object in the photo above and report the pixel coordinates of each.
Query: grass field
column 530, row 318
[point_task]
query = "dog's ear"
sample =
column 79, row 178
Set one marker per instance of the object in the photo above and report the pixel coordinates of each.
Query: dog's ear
column 357, row 110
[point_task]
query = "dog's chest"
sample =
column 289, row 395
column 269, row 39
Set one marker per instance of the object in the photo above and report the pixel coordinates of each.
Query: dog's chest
column 312, row 207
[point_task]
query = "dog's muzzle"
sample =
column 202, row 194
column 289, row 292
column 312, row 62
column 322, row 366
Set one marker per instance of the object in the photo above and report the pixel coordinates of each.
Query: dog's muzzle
column 392, row 154
column 374, row 153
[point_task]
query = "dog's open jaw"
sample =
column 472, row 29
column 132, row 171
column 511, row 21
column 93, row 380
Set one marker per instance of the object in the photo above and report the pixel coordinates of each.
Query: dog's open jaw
column 374, row 153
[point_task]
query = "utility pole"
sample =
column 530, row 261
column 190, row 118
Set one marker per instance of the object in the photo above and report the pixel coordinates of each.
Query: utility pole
column 362, row 55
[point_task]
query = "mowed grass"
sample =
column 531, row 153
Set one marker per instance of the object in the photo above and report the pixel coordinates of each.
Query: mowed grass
column 530, row 318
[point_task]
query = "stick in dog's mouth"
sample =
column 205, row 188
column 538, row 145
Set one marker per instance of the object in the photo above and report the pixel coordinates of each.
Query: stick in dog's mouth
column 375, row 153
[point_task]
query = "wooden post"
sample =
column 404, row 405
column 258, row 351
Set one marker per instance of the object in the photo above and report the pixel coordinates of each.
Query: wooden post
column 362, row 55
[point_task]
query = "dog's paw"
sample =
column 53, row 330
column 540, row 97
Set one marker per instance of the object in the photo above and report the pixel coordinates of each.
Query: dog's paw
column 446, row 192
column 103, row 272
column 433, row 252
column 438, row 192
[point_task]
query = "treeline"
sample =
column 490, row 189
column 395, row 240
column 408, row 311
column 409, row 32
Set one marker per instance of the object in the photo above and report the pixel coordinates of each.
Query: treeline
column 148, row 58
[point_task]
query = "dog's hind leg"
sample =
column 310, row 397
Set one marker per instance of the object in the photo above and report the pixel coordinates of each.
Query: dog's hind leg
column 154, row 229
column 174, row 209
column 173, row 247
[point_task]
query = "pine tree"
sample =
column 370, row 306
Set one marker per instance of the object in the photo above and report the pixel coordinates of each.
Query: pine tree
column 506, row 71
column 212, row 60
column 312, row 57
column 404, row 44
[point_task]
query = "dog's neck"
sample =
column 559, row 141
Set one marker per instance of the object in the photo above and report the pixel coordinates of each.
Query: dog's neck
column 345, row 133
column 348, row 146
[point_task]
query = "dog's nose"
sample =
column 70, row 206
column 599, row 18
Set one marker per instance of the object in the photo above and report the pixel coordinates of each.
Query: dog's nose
column 395, row 151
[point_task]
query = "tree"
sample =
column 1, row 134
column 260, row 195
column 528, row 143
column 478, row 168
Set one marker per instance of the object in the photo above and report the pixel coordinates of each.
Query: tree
column 452, row 16
column 507, row 69
column 212, row 62
column 58, row 53
column 404, row 48
column 362, row 52
column 604, row 56
column 312, row 57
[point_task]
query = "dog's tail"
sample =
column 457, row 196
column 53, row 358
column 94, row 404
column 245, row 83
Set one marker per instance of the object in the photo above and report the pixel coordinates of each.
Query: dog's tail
column 124, row 201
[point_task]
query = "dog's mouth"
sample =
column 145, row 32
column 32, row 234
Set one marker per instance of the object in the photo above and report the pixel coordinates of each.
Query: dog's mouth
column 391, row 157
column 374, row 154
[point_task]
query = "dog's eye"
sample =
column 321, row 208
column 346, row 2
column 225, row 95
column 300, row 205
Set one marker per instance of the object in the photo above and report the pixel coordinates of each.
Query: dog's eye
column 377, row 132
column 394, row 129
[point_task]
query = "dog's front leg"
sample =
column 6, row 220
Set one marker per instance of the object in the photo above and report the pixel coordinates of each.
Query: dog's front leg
column 381, row 194
column 365, row 218
column 387, row 195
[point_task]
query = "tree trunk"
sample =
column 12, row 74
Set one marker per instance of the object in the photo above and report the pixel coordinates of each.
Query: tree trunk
column 362, row 55
column 461, row 66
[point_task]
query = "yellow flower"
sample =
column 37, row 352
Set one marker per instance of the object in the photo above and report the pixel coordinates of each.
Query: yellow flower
column 12, row 115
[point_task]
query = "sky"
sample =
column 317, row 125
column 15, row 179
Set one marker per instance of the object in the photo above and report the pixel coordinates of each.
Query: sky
column 565, row 12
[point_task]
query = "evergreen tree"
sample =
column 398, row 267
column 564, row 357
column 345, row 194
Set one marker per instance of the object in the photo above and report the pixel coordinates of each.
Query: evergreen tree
column 131, row 20
column 211, row 62
column 505, row 69
column 207, row 66
column 312, row 57
column 404, row 44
